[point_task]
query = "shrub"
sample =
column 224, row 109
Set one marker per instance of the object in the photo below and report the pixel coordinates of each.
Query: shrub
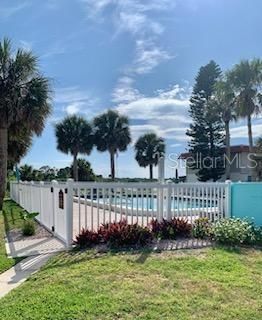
column 201, row 228
column 234, row 231
column 170, row 229
column 258, row 235
column 119, row 234
column 162, row 229
column 28, row 228
column 87, row 238
column 182, row 226
column 28, row 215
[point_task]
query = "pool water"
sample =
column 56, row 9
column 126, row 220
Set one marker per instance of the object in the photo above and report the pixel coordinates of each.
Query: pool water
column 151, row 203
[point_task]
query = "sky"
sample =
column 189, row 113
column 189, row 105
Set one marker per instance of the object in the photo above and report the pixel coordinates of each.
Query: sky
column 139, row 57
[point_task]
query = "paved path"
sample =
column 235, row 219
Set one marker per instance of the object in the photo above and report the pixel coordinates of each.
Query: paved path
column 13, row 277
column 33, row 247
column 37, row 251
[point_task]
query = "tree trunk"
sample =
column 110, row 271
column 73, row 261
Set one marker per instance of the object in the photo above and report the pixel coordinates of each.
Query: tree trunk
column 250, row 137
column 151, row 172
column 228, row 153
column 3, row 164
column 112, row 164
column 75, row 168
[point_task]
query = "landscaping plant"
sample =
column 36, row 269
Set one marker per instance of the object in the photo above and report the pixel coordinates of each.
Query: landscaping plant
column 170, row 229
column 116, row 234
column 28, row 215
column 120, row 234
column 201, row 228
column 87, row 238
column 234, row 231
column 258, row 235
column 28, row 228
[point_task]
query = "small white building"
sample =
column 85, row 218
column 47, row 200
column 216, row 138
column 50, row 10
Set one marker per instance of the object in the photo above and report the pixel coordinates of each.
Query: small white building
column 240, row 169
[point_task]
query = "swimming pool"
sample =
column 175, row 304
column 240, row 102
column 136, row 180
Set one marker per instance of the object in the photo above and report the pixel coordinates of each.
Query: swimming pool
column 151, row 203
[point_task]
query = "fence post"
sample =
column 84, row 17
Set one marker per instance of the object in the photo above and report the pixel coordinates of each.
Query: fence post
column 41, row 200
column 54, row 183
column 69, row 213
column 31, row 195
column 161, row 180
column 161, row 170
column 228, row 199
column 169, row 195
column 18, row 192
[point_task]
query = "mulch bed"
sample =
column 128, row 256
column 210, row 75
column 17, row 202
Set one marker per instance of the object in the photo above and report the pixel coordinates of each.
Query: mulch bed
column 40, row 232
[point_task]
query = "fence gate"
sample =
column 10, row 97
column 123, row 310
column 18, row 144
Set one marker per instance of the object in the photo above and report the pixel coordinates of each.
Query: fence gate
column 59, row 209
column 48, row 199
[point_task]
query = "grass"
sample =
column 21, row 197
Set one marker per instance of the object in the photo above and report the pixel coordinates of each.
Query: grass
column 9, row 219
column 195, row 284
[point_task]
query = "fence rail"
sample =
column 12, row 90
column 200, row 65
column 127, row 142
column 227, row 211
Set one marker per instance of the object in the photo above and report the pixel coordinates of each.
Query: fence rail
column 65, row 208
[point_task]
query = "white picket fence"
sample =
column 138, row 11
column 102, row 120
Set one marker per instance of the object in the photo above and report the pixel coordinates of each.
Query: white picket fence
column 66, row 208
column 43, row 198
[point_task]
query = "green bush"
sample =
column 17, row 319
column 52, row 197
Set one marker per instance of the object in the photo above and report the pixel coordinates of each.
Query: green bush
column 28, row 215
column 28, row 228
column 201, row 228
column 258, row 235
column 234, row 231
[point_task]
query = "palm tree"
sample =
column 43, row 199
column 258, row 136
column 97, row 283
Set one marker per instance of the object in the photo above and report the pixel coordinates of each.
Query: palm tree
column 74, row 135
column 24, row 98
column 149, row 148
column 26, row 172
column 85, row 171
column 225, row 98
column 246, row 78
column 112, row 134
column 19, row 141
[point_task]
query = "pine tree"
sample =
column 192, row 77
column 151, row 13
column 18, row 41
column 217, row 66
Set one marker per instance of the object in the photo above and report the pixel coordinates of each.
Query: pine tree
column 206, row 131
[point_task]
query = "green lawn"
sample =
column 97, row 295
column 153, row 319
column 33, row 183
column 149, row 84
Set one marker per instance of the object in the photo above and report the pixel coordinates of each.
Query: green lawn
column 9, row 219
column 195, row 284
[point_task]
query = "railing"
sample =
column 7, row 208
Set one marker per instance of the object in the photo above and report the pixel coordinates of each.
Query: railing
column 88, row 204
column 96, row 203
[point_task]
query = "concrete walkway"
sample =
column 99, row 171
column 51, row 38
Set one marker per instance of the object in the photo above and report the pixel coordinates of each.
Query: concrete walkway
column 13, row 277
column 33, row 247
column 37, row 251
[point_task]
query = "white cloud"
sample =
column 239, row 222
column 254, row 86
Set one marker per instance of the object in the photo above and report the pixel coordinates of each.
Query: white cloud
column 176, row 145
column 124, row 92
column 8, row 11
column 133, row 17
column 55, row 49
column 70, row 94
column 94, row 7
column 74, row 108
column 137, row 23
column 148, row 56
column 165, row 112
column 75, row 100
column 163, row 104
column 241, row 131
